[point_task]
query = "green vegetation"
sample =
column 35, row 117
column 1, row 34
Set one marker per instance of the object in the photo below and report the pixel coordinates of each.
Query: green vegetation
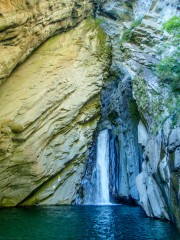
column 128, row 34
column 151, row 107
column 99, row 20
column 141, row 93
column 95, row 25
column 168, row 69
column 174, row 109
column 172, row 25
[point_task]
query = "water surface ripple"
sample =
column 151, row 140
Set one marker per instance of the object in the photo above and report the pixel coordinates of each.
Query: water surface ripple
column 83, row 222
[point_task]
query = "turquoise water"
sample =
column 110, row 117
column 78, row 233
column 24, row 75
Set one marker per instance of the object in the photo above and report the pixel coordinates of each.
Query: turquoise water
column 82, row 222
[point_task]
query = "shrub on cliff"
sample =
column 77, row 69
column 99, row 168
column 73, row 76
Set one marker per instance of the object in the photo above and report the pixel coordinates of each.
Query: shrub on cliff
column 168, row 69
column 172, row 25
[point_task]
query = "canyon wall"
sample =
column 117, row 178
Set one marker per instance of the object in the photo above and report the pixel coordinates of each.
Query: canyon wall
column 24, row 25
column 50, row 104
column 141, row 113
column 56, row 65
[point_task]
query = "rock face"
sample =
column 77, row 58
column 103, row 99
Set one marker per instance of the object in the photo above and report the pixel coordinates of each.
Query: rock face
column 50, row 104
column 119, row 114
column 49, row 108
column 24, row 25
column 141, row 115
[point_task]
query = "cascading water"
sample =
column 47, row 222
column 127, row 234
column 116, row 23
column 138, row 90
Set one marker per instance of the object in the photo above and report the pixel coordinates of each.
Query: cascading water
column 102, row 168
column 96, row 181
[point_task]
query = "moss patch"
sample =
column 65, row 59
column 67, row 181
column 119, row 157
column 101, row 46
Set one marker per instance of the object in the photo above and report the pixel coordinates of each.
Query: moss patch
column 150, row 107
column 103, row 43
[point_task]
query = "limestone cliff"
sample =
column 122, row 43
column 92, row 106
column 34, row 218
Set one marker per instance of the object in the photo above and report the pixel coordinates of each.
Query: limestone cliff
column 24, row 25
column 50, row 104
column 141, row 113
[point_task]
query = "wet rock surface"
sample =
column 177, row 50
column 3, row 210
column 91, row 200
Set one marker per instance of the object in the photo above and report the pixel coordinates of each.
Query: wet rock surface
column 137, row 110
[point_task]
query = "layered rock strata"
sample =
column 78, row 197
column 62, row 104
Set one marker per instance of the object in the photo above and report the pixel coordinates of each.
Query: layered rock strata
column 50, row 105
column 24, row 25
column 49, row 108
column 141, row 113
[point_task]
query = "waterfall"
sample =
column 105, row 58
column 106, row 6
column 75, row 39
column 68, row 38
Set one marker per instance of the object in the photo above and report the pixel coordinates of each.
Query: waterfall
column 96, row 180
column 102, row 168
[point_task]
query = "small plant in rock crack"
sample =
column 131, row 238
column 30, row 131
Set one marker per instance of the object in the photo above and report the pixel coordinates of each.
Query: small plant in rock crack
column 128, row 33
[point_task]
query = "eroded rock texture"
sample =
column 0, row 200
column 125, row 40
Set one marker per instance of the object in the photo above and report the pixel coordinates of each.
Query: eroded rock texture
column 49, row 108
column 24, row 25
column 50, row 105
column 142, row 114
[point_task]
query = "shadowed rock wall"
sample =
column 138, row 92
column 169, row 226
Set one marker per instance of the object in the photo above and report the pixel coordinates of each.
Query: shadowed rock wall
column 141, row 113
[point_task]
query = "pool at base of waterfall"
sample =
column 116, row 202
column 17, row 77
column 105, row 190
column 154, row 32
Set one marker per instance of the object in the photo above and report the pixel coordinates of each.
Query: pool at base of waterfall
column 82, row 222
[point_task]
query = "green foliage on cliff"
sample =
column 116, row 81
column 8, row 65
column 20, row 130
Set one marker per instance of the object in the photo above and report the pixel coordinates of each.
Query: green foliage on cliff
column 149, row 103
column 128, row 34
column 172, row 25
column 99, row 20
column 141, row 92
column 173, row 105
column 168, row 69
column 104, row 44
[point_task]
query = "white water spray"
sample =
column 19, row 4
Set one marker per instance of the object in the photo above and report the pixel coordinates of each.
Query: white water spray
column 102, row 168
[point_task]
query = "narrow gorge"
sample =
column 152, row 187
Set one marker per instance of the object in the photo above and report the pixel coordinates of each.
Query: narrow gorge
column 90, row 104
